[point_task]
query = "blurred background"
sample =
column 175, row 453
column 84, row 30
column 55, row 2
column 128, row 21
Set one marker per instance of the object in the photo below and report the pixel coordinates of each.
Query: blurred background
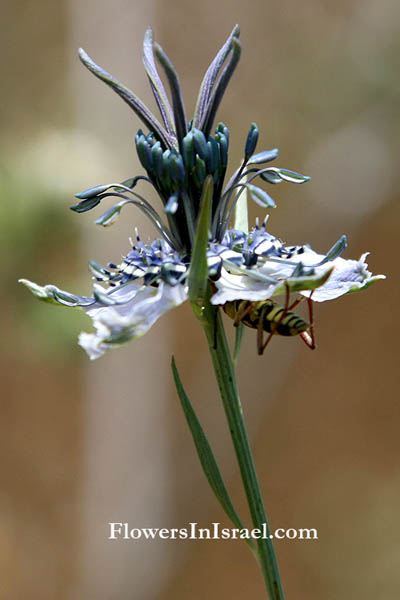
column 87, row 443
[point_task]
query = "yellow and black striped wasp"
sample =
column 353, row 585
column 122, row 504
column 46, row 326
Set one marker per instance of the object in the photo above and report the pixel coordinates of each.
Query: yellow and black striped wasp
column 270, row 317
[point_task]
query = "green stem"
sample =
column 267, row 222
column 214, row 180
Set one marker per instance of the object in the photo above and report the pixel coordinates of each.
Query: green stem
column 226, row 377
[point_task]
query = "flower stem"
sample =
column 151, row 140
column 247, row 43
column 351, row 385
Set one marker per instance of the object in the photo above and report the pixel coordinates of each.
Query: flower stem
column 226, row 377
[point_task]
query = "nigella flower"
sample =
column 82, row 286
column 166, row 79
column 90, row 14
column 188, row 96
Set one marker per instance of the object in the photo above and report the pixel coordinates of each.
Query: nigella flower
column 181, row 160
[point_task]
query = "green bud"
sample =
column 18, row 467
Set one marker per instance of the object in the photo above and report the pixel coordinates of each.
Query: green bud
column 86, row 205
column 92, row 192
column 111, row 215
column 188, row 151
column 260, row 197
column 200, row 144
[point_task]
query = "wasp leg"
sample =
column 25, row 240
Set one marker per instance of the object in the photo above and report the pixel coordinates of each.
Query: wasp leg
column 275, row 327
column 260, row 334
column 311, row 314
column 296, row 303
column 309, row 338
column 242, row 313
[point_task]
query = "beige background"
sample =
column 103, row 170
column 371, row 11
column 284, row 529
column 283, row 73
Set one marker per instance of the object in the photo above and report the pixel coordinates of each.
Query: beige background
column 88, row 443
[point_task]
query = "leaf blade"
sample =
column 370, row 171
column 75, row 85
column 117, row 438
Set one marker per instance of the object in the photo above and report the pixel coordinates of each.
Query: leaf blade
column 206, row 456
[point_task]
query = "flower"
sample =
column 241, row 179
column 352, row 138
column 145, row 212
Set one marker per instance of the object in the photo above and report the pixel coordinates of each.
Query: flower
column 131, row 317
column 181, row 160
column 299, row 268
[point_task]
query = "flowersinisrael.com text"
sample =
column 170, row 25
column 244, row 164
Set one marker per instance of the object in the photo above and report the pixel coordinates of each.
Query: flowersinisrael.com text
column 123, row 531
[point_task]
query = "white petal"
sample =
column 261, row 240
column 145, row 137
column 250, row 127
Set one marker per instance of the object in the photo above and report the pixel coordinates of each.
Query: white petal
column 120, row 323
column 93, row 342
column 348, row 276
column 240, row 287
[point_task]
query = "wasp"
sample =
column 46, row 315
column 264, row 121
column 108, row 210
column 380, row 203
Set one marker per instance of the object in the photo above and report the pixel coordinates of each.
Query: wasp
column 269, row 316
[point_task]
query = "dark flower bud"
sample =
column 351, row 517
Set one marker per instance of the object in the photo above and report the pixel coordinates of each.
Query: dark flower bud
column 251, row 142
column 200, row 144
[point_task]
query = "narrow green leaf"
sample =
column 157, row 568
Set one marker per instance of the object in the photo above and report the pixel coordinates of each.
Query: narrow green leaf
column 206, row 455
column 301, row 284
column 198, row 273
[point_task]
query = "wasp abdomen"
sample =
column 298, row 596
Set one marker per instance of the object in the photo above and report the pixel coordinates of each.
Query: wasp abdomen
column 273, row 316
